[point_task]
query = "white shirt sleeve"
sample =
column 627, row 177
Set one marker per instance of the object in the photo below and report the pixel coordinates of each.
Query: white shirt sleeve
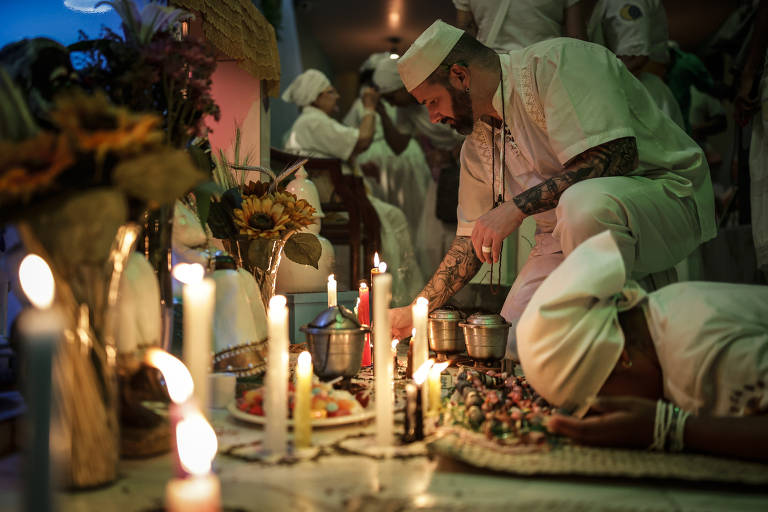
column 475, row 194
column 582, row 109
column 332, row 137
column 462, row 5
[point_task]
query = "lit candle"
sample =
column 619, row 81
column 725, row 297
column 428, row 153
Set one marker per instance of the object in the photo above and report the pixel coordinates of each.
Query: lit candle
column 199, row 297
column 178, row 382
column 435, row 387
column 332, row 299
column 374, row 270
column 276, row 385
column 420, row 349
column 40, row 330
column 200, row 491
column 364, row 317
column 302, row 421
column 414, row 412
column 383, row 373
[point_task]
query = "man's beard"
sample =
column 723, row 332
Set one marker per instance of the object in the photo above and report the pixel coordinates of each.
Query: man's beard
column 463, row 118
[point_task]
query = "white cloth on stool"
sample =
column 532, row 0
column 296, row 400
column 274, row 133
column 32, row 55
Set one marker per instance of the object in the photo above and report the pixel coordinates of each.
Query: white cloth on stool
column 138, row 319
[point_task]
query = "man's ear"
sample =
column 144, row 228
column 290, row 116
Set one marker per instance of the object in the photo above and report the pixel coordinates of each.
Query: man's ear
column 458, row 77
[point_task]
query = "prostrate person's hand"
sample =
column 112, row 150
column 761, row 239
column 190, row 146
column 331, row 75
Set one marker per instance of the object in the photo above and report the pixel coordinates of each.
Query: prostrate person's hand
column 622, row 421
column 370, row 97
column 492, row 228
column 401, row 322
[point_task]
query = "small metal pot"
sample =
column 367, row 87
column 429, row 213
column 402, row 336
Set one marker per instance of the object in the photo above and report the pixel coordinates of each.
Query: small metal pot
column 443, row 331
column 486, row 336
column 336, row 341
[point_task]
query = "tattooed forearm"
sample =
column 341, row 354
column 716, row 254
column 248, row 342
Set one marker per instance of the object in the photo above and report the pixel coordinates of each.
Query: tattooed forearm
column 613, row 158
column 457, row 268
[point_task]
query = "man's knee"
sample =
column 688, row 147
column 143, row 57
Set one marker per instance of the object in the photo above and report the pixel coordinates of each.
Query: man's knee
column 586, row 211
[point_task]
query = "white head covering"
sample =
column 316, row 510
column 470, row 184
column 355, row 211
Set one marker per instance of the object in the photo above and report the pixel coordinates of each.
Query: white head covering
column 569, row 338
column 427, row 52
column 306, row 87
column 386, row 77
column 373, row 60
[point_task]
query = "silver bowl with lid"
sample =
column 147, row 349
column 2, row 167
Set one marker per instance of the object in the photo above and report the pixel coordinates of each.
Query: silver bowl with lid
column 486, row 336
column 443, row 331
column 336, row 341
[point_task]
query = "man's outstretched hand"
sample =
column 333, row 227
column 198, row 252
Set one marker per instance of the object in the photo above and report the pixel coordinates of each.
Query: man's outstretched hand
column 401, row 322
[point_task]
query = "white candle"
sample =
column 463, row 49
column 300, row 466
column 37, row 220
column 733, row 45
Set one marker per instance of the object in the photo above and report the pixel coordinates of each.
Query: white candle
column 435, row 387
column 40, row 330
column 199, row 297
column 302, row 420
column 420, row 350
column 332, row 300
column 200, row 491
column 383, row 371
column 276, row 385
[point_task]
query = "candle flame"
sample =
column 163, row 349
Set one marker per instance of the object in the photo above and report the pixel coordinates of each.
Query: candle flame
column 413, row 332
column 420, row 375
column 178, row 380
column 331, row 278
column 382, row 267
column 37, row 281
column 438, row 368
column 422, row 301
column 395, row 343
column 376, row 260
column 196, row 442
column 304, row 364
column 188, row 273
column 277, row 303
column 363, row 285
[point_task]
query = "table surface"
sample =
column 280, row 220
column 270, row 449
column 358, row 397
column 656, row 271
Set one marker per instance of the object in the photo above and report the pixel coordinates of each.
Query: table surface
column 336, row 480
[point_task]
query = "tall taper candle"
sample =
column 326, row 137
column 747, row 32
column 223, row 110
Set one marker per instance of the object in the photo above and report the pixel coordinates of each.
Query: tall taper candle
column 332, row 298
column 364, row 317
column 276, row 388
column 383, row 359
column 199, row 298
column 302, row 420
column 420, row 349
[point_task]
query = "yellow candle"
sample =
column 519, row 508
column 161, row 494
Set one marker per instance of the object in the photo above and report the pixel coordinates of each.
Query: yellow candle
column 435, row 387
column 332, row 300
column 302, row 421
column 199, row 297
column 200, row 491
column 276, row 382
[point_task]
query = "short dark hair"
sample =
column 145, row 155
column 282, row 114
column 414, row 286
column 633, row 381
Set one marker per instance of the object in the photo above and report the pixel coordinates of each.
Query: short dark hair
column 466, row 51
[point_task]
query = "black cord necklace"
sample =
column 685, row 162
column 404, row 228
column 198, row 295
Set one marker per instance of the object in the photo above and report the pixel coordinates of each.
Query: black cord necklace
column 499, row 198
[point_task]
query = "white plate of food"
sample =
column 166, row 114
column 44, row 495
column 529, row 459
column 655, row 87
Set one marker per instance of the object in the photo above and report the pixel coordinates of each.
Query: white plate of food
column 330, row 407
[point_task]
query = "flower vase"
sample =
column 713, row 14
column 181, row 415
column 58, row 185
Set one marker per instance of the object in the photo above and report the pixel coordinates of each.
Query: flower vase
column 261, row 257
column 87, row 257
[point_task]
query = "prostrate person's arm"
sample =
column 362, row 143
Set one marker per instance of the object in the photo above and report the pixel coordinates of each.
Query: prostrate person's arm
column 629, row 422
column 575, row 21
column 368, row 123
column 466, row 22
column 458, row 267
column 395, row 139
column 614, row 158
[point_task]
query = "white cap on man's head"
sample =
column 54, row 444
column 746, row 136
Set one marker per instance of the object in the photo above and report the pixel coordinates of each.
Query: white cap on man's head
column 386, row 77
column 306, row 87
column 427, row 53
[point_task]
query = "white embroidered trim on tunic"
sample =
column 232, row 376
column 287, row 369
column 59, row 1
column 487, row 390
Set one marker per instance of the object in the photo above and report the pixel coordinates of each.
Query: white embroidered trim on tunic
column 531, row 102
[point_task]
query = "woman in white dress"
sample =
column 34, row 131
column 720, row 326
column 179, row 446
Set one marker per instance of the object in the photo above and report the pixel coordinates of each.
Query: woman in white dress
column 316, row 133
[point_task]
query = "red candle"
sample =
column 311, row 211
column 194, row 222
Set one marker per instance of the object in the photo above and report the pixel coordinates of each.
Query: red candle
column 364, row 317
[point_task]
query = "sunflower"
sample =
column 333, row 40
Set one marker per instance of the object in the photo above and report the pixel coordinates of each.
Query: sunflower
column 97, row 125
column 261, row 217
column 256, row 188
column 300, row 211
column 32, row 164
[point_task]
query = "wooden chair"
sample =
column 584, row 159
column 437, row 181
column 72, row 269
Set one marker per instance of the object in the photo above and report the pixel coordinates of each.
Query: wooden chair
column 340, row 194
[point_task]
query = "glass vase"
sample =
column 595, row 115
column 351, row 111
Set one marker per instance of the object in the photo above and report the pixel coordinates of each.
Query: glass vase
column 261, row 257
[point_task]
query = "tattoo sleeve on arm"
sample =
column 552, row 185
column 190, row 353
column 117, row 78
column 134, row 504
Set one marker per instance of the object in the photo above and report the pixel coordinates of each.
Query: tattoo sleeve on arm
column 614, row 158
column 457, row 268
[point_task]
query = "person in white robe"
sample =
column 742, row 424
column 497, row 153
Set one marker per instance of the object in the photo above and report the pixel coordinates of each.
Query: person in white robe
column 505, row 25
column 579, row 152
column 316, row 133
column 403, row 176
column 591, row 338
column 410, row 124
column 637, row 33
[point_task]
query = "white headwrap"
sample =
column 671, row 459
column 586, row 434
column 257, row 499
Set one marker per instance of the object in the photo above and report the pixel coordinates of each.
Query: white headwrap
column 373, row 60
column 569, row 338
column 386, row 77
column 306, row 87
column 427, row 52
